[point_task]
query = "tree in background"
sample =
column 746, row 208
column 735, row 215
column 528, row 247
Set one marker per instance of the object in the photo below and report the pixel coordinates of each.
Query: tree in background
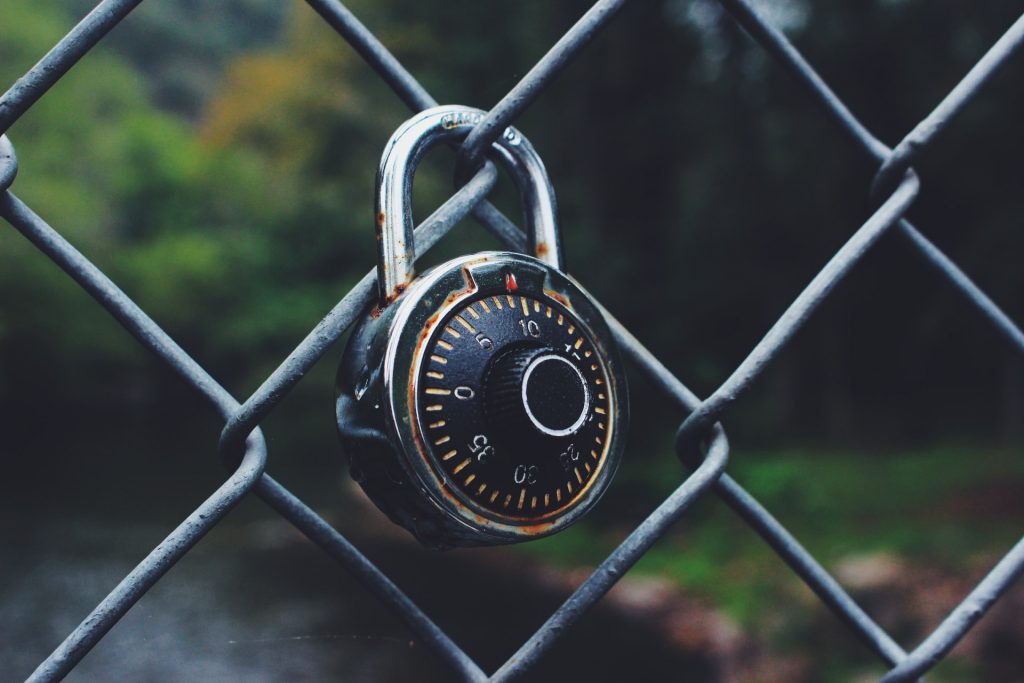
column 700, row 188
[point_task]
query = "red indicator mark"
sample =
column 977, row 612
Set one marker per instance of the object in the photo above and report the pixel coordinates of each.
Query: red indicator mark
column 510, row 282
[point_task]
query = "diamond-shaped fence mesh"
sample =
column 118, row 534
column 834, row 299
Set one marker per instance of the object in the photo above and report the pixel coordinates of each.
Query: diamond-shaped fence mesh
column 244, row 448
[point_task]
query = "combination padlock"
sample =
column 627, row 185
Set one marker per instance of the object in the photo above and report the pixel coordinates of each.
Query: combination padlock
column 483, row 402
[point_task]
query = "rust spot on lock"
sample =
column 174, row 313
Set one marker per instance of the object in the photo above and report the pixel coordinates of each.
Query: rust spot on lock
column 560, row 298
column 421, row 341
column 536, row 529
column 381, row 218
column 431, row 322
column 542, row 249
column 399, row 289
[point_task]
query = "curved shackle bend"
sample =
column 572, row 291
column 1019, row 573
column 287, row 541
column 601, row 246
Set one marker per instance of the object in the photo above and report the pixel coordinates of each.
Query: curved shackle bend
column 395, row 246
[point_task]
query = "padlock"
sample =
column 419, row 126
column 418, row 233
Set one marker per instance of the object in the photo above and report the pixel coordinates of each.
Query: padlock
column 483, row 402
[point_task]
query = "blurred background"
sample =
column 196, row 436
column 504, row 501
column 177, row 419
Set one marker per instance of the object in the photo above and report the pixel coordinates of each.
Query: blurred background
column 217, row 160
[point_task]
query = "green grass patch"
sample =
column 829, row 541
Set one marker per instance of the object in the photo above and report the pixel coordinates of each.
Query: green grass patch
column 943, row 505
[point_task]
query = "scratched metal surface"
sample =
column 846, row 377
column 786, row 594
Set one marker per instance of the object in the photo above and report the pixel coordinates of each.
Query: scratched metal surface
column 244, row 449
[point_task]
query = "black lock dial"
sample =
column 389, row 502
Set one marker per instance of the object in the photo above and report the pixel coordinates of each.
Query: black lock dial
column 513, row 406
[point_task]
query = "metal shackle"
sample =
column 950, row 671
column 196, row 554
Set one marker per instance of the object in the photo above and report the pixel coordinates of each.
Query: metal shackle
column 395, row 242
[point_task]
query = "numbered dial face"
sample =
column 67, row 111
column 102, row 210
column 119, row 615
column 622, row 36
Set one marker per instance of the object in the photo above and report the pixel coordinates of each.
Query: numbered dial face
column 513, row 406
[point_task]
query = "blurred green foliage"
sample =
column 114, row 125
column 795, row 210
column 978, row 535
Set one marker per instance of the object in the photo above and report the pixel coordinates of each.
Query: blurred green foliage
column 699, row 189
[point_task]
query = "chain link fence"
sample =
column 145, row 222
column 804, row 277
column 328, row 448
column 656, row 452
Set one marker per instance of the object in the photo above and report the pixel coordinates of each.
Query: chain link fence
column 700, row 440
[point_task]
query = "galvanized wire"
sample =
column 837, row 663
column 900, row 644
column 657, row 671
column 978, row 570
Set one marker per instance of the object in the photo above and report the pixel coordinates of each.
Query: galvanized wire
column 244, row 450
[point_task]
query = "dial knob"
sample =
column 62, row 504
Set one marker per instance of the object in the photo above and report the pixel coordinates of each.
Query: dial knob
column 534, row 391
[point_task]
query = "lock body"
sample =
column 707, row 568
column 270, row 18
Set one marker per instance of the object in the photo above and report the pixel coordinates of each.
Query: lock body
column 484, row 406
column 482, row 402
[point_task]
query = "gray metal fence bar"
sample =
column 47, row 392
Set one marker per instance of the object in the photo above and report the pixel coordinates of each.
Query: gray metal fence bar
column 953, row 629
column 776, row 44
column 934, row 257
column 397, row 77
column 380, row 59
column 58, row 61
column 244, row 450
column 800, row 310
column 967, row 613
column 808, row 569
column 924, row 133
column 344, row 314
column 530, row 86
column 620, row 561
column 195, row 526
column 372, row 578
